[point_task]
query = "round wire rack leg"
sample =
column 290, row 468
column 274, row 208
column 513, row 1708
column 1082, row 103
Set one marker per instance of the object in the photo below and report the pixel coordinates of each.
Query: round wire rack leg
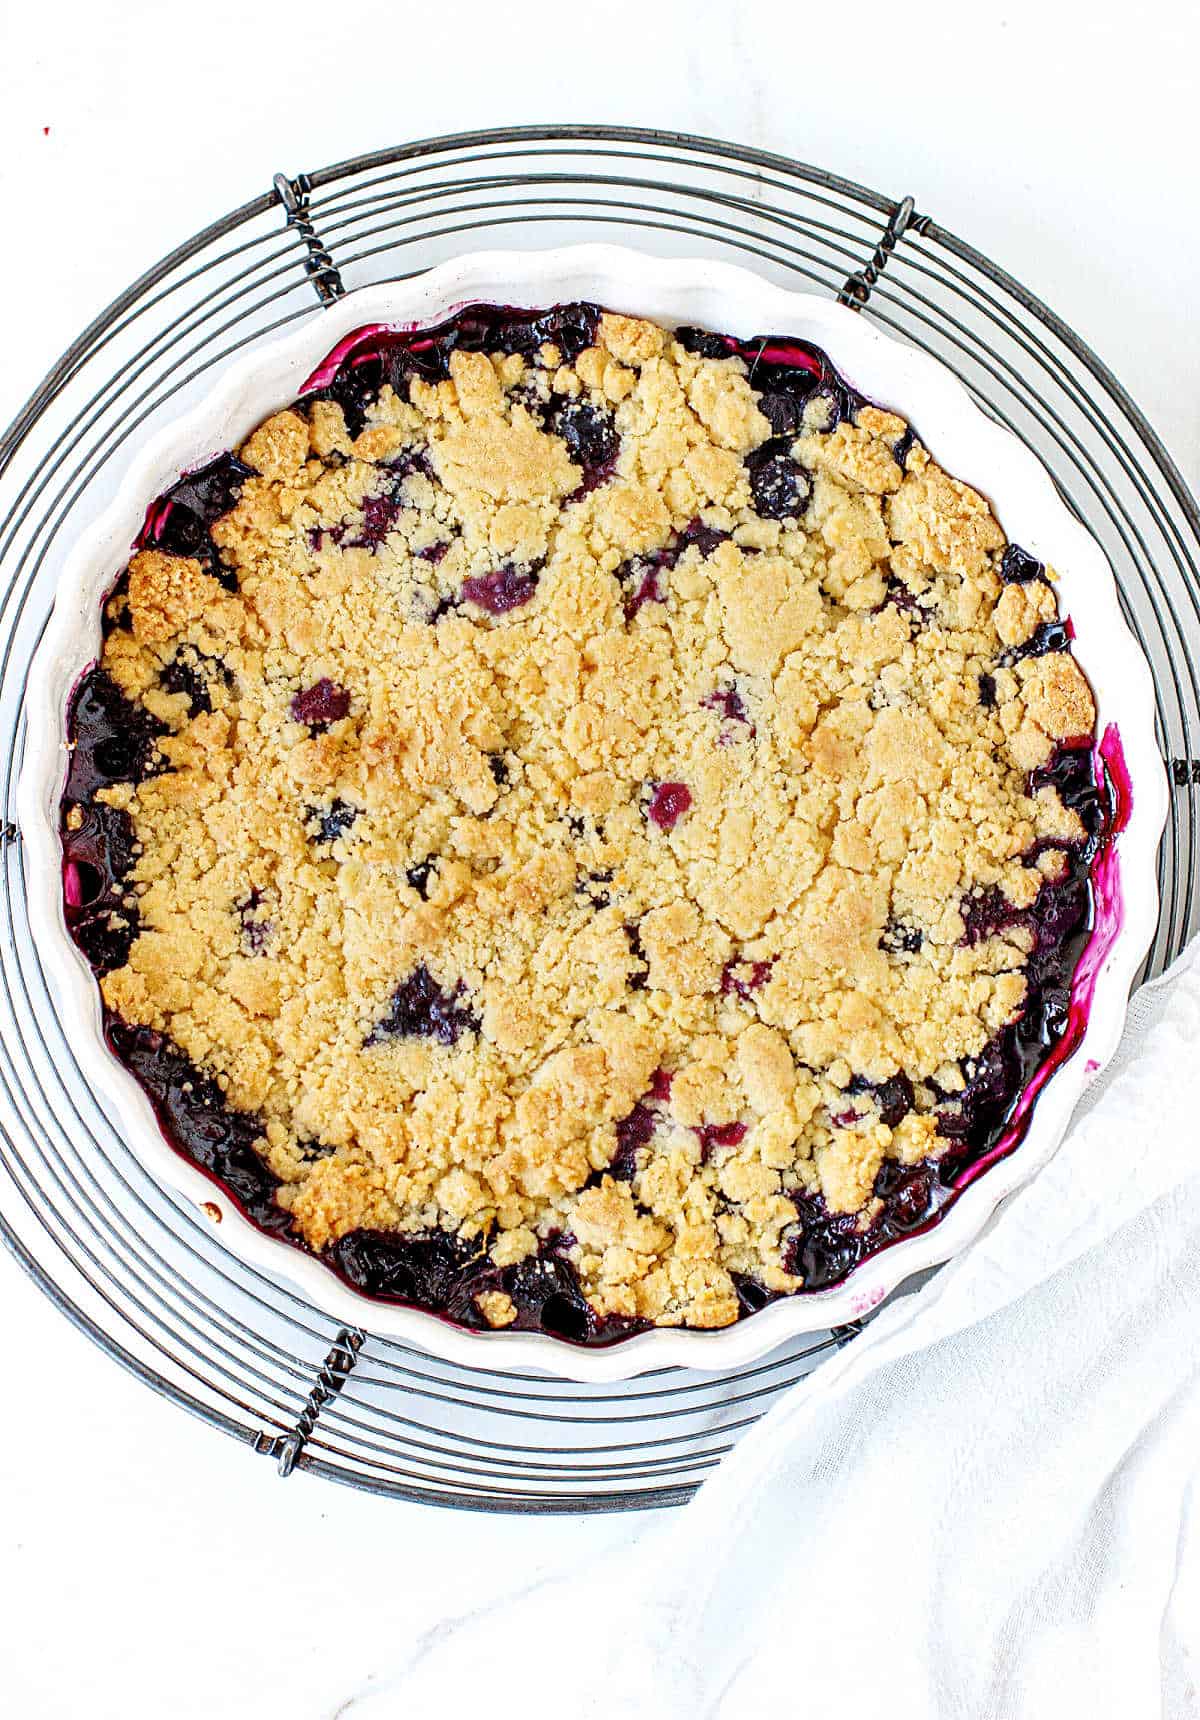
column 137, row 1268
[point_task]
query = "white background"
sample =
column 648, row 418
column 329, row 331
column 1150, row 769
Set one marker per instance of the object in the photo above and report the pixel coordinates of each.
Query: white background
column 149, row 1567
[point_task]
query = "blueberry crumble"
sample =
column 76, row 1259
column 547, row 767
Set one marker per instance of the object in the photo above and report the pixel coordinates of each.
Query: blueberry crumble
column 583, row 826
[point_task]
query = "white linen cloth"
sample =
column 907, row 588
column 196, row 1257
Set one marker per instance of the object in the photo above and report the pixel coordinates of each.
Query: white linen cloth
column 986, row 1506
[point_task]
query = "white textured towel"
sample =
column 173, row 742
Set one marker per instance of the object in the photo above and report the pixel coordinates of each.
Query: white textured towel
column 986, row 1506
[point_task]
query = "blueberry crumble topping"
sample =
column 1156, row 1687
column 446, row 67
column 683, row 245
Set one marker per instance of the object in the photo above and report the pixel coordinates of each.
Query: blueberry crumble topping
column 583, row 826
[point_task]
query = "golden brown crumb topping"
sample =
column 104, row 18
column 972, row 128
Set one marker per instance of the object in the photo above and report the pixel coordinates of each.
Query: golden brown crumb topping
column 498, row 828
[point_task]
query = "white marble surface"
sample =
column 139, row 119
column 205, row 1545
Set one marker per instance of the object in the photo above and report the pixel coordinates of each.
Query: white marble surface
column 149, row 1568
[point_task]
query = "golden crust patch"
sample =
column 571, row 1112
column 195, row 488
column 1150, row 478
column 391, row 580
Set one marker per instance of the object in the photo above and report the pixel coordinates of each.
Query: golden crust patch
column 166, row 594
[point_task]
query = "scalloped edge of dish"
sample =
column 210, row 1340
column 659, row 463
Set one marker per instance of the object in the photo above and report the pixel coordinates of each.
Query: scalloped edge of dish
column 733, row 300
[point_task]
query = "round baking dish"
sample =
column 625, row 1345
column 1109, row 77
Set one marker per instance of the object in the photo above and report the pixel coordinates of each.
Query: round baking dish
column 957, row 434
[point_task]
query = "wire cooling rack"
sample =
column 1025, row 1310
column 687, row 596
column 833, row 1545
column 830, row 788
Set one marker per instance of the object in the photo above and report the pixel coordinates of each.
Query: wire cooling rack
column 139, row 1269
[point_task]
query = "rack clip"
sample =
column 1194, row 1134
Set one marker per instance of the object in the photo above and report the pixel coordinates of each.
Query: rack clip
column 319, row 265
column 1185, row 772
column 334, row 1372
column 856, row 288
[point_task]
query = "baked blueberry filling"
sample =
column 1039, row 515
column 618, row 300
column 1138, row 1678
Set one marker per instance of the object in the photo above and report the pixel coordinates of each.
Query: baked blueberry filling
column 326, row 826
column 899, row 939
column 379, row 515
column 703, row 537
column 195, row 675
column 667, row 804
column 790, row 374
column 752, row 1296
column 418, row 877
column 893, row 1097
column 397, row 357
column 1047, row 636
column 112, row 739
column 382, row 508
column 643, row 578
column 445, row 1275
column 826, row 1246
column 1018, row 567
column 502, row 590
column 903, row 447
column 320, row 705
column 194, row 1116
column 779, row 484
column 729, row 704
column 592, row 886
column 660, row 1086
column 633, row 1131
column 714, row 1135
column 98, row 852
column 899, row 596
column 638, row 978
column 115, row 741
column 426, row 1270
column 311, row 1151
column 1071, row 773
column 257, row 926
column 743, row 979
column 591, row 437
column 180, row 522
column 420, row 1009
column 643, row 582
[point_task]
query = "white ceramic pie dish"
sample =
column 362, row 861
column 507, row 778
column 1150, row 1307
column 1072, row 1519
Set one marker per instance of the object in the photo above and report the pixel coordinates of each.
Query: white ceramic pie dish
column 731, row 300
